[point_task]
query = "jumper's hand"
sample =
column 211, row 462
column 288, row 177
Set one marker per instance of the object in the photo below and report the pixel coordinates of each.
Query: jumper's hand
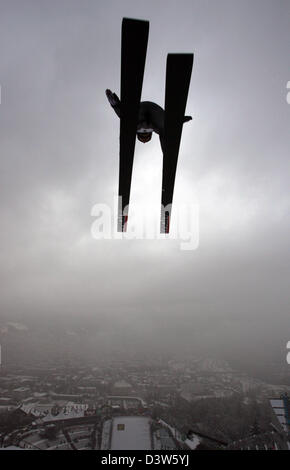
column 113, row 98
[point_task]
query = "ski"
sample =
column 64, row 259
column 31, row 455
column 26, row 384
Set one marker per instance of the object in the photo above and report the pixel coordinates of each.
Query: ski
column 133, row 56
column 178, row 74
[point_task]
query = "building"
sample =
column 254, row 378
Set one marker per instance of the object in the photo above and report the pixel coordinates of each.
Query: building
column 21, row 392
column 122, row 388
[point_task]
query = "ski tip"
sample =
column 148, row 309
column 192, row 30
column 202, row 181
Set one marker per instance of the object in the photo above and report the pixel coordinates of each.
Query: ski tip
column 134, row 22
column 181, row 59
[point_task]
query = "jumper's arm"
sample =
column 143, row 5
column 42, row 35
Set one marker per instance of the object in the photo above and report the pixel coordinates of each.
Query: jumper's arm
column 114, row 102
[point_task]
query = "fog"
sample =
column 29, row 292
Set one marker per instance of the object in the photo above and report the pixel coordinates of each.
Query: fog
column 59, row 157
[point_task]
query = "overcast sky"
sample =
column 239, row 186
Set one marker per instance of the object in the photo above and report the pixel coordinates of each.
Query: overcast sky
column 59, row 157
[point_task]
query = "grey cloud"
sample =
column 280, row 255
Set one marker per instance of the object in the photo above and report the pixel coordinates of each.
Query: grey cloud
column 59, row 156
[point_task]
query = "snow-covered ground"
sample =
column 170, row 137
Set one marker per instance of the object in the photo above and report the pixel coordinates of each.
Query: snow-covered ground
column 106, row 435
column 131, row 433
column 192, row 443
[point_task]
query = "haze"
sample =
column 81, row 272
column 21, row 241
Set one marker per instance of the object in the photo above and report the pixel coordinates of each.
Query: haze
column 59, row 157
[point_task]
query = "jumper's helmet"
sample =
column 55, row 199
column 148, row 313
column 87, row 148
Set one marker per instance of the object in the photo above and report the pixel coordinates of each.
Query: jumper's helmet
column 144, row 136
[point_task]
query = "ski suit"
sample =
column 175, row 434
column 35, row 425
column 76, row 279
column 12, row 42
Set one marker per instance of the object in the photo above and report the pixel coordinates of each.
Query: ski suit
column 150, row 118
